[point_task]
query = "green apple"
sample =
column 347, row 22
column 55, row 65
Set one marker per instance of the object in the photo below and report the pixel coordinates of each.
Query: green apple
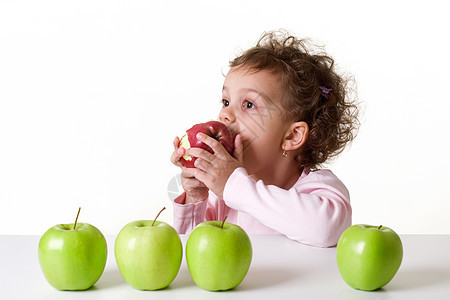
column 72, row 256
column 368, row 257
column 218, row 255
column 148, row 254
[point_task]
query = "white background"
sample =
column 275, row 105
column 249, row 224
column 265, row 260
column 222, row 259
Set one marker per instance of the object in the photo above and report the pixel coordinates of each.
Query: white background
column 92, row 94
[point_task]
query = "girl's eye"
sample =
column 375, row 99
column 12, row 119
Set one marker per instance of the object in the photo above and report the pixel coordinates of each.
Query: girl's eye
column 225, row 102
column 249, row 105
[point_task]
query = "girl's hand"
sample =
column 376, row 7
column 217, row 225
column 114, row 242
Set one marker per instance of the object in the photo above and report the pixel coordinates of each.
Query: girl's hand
column 195, row 190
column 215, row 169
column 177, row 153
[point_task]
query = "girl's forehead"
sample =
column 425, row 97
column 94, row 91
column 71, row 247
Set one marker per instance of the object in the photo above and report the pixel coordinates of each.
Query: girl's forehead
column 245, row 70
column 262, row 80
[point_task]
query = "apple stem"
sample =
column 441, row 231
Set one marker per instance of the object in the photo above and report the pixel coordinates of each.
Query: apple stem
column 223, row 221
column 153, row 224
column 76, row 219
column 379, row 227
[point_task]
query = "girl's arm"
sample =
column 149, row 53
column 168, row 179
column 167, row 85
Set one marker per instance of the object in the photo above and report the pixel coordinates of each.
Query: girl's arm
column 188, row 215
column 315, row 211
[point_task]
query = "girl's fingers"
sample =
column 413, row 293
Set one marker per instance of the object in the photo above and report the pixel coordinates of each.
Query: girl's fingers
column 176, row 143
column 214, row 144
column 200, row 153
column 238, row 148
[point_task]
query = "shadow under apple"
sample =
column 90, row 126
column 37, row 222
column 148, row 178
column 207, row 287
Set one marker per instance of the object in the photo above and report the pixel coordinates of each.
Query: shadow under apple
column 182, row 280
column 109, row 279
column 260, row 277
column 417, row 278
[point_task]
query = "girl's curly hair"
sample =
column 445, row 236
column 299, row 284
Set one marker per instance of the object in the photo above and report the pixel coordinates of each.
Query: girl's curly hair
column 303, row 69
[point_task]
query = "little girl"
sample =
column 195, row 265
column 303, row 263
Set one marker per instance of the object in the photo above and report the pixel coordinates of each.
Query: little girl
column 289, row 111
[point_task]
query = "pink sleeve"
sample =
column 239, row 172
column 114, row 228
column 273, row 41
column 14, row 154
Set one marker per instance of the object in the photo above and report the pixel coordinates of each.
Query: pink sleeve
column 315, row 211
column 187, row 216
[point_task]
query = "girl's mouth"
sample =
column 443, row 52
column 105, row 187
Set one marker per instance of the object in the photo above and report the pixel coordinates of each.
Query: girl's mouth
column 233, row 131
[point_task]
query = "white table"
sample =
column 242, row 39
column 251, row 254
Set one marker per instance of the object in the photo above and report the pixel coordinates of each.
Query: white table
column 281, row 269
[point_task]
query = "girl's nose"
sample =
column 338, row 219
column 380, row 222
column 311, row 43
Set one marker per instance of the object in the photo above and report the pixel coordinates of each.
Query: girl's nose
column 227, row 116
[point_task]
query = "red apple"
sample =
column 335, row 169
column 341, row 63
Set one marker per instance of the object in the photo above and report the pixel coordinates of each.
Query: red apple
column 214, row 129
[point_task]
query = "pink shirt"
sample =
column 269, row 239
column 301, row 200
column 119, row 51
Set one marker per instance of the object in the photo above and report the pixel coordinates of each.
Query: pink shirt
column 315, row 210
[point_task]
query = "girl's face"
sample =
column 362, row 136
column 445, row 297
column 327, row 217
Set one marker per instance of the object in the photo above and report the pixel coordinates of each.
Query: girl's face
column 251, row 107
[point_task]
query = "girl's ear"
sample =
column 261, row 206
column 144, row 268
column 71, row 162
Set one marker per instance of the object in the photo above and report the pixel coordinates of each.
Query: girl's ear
column 296, row 136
